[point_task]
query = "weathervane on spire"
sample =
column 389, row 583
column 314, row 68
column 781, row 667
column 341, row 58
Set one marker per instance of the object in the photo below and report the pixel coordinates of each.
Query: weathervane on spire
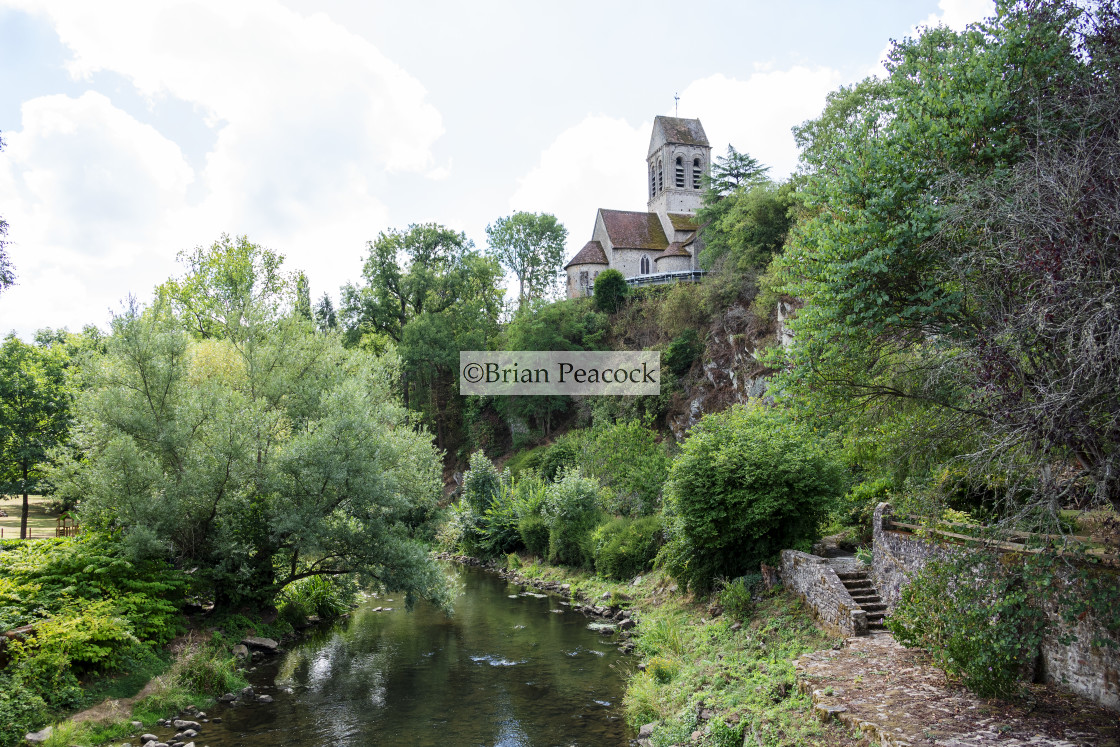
column 676, row 103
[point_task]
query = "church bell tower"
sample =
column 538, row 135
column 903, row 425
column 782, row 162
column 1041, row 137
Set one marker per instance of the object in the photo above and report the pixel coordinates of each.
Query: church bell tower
column 679, row 157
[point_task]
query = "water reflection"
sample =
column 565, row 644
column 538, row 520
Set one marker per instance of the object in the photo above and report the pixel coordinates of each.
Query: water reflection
column 504, row 670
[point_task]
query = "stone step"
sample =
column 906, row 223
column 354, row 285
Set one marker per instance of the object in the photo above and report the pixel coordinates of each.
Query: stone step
column 863, row 593
column 870, row 608
column 857, row 585
column 852, row 576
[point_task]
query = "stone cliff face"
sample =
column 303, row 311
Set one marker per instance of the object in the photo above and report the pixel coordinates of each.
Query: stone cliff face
column 730, row 370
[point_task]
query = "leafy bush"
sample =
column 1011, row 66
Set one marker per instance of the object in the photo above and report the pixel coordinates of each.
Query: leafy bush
column 202, row 670
column 857, row 507
column 974, row 615
column 610, row 291
column 626, row 547
column 534, row 530
column 737, row 596
column 683, row 352
column 562, row 455
column 572, row 508
column 21, row 709
column 627, row 460
column 747, row 484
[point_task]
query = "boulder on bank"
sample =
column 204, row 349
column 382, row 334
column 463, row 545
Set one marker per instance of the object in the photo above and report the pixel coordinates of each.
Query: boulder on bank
column 261, row 644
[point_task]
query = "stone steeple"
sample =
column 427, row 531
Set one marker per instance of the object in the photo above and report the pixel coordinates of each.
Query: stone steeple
column 679, row 156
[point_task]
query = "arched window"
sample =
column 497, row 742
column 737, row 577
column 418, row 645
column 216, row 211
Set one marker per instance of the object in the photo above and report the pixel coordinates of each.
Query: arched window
column 679, row 177
column 695, row 173
column 645, row 265
column 652, row 180
column 660, row 176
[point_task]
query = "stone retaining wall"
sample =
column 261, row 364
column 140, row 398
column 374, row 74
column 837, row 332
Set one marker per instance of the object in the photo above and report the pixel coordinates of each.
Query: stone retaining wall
column 1091, row 671
column 815, row 581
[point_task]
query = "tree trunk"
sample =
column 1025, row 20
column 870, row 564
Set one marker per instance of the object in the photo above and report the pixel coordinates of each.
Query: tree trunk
column 26, row 507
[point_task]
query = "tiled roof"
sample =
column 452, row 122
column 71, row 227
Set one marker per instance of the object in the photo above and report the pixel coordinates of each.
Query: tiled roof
column 673, row 250
column 684, row 131
column 631, row 230
column 591, row 254
column 683, row 222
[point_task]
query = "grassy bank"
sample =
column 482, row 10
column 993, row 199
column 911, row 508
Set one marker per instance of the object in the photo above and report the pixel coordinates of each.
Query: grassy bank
column 697, row 669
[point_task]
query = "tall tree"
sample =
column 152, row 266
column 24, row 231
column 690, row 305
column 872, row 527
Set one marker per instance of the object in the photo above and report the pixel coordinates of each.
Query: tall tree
column 230, row 286
column 325, row 317
column 531, row 246
column 926, row 299
column 734, row 171
column 260, row 460
column 35, row 414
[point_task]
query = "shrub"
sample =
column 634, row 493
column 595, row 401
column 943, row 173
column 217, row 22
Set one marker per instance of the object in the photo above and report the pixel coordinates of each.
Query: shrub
column 201, row 670
column 534, row 534
column 21, row 709
column 747, row 484
column 610, row 291
column 626, row 547
column 481, row 483
column 973, row 614
column 683, row 352
column 572, row 509
column 737, row 596
column 857, row 507
column 562, row 455
column 627, row 460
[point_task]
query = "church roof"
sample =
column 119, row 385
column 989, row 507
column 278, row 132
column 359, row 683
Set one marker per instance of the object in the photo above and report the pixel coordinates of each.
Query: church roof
column 673, row 250
column 591, row 254
column 632, row 230
column 677, row 130
column 683, row 221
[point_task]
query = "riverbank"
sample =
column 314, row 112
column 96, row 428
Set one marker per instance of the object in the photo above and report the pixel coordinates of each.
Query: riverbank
column 699, row 676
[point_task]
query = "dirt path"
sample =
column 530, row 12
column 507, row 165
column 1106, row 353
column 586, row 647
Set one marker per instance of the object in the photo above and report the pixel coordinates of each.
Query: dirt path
column 896, row 697
column 112, row 709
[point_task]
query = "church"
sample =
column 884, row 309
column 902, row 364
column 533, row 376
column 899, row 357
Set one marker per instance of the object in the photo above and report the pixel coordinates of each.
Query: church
column 661, row 244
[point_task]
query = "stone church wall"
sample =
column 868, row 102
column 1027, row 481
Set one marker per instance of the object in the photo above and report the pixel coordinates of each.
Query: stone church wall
column 1091, row 671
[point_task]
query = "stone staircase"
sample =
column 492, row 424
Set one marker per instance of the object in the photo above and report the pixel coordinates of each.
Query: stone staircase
column 864, row 594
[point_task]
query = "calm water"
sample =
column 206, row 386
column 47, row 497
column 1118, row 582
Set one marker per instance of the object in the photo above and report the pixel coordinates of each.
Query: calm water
column 501, row 671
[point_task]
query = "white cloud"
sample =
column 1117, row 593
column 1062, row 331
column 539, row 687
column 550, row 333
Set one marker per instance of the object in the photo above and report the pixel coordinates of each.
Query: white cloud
column 599, row 162
column 312, row 123
column 89, row 193
column 756, row 115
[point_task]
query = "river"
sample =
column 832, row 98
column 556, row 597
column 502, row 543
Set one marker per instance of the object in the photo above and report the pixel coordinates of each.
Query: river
column 510, row 667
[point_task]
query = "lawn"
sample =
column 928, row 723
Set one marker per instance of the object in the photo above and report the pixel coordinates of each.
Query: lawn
column 40, row 521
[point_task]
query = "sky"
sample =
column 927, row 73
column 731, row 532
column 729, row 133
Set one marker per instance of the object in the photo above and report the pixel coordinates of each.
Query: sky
column 136, row 130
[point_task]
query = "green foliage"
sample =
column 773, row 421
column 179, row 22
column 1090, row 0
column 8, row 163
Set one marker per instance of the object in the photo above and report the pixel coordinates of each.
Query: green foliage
column 737, row 596
column 199, row 669
column 624, row 547
column 628, row 461
column 325, row 596
column 259, row 459
column 857, row 507
column 21, row 709
column 748, row 483
column 531, row 246
column 748, row 226
column 683, row 352
column 974, row 614
column 573, row 508
column 481, row 483
column 36, row 404
column 610, row 291
column 534, row 531
column 563, row 455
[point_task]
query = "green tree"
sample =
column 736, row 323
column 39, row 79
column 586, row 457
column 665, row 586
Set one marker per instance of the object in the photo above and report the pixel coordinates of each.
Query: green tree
column 749, row 482
column 733, row 172
column 920, row 298
column 35, row 414
column 231, row 286
column 531, row 246
column 749, row 225
column 325, row 317
column 610, row 291
column 259, row 459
